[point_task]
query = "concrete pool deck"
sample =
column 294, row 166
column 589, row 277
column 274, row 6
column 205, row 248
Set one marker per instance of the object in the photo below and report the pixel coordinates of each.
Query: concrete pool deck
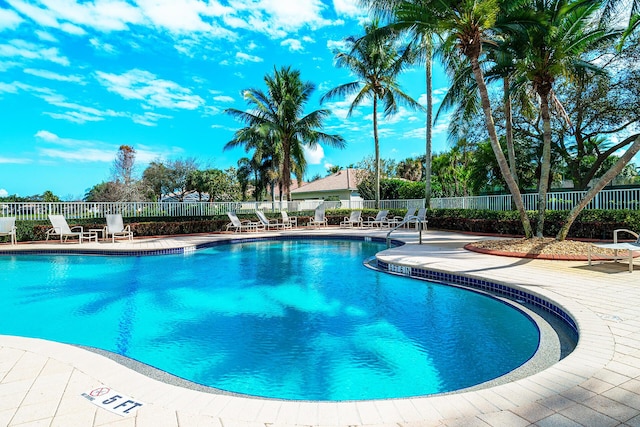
column 41, row 382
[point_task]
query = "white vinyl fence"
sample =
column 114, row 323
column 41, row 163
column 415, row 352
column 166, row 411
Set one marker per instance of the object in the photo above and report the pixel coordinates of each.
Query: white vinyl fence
column 606, row 199
column 38, row 211
column 628, row 198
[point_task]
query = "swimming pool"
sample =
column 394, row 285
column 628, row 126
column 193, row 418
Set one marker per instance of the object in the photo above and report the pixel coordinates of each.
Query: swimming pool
column 293, row 319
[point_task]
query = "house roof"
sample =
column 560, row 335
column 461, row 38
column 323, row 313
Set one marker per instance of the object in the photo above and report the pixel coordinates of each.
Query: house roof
column 345, row 179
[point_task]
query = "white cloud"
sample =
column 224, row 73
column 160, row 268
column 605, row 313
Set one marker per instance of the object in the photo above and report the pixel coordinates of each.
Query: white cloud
column 46, row 16
column 150, row 90
column 223, row 98
column 45, row 37
column 103, row 47
column 5, row 65
column 242, row 57
column 294, row 45
column 349, row 8
column 277, row 18
column 46, row 135
column 185, row 15
column 82, row 151
column 314, row 155
column 50, row 75
column 3, row 192
column 149, row 118
column 339, row 45
column 14, row 160
column 9, row 20
column 23, row 49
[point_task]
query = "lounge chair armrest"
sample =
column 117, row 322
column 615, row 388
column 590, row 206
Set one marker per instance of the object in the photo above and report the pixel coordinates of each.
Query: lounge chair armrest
column 78, row 227
column 53, row 230
column 623, row 230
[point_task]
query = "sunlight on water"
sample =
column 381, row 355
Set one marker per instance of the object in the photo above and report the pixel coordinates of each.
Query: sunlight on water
column 285, row 319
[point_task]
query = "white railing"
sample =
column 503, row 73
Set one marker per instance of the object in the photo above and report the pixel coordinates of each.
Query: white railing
column 39, row 211
column 627, row 198
column 606, row 199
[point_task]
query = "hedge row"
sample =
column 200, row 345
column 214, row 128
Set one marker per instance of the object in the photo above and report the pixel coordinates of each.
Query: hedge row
column 591, row 224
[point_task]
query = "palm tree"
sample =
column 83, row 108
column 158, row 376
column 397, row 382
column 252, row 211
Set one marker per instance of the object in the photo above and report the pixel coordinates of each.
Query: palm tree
column 277, row 118
column 464, row 26
column 376, row 62
column 551, row 49
column 423, row 51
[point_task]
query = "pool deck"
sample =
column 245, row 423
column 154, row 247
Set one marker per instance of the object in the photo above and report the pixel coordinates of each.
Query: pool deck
column 41, row 382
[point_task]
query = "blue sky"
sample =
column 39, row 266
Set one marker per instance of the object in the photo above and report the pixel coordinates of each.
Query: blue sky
column 80, row 78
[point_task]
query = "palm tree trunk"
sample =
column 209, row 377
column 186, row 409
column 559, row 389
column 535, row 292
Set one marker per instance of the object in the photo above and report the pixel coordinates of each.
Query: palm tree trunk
column 599, row 185
column 497, row 150
column 508, row 117
column 545, row 167
column 377, row 149
column 286, row 167
column 427, row 163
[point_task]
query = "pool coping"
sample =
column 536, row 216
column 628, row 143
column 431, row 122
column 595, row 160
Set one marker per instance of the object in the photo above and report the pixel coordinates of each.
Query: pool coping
column 594, row 351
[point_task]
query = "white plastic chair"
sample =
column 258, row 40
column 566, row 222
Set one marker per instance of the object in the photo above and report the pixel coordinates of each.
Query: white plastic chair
column 318, row 218
column 8, row 228
column 354, row 220
column 116, row 228
column 269, row 224
column 379, row 220
column 289, row 221
column 620, row 246
column 238, row 225
column 61, row 228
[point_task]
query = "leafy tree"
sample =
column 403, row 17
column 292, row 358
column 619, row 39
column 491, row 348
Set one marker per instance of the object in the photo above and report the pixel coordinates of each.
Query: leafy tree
column 276, row 118
column 376, row 62
column 178, row 174
column 243, row 174
column 197, row 180
column 333, row 169
column 156, row 178
column 104, row 192
column 410, row 169
column 552, row 48
column 465, row 27
column 48, row 196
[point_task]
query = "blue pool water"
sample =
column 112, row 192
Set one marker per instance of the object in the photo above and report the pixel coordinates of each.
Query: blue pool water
column 284, row 319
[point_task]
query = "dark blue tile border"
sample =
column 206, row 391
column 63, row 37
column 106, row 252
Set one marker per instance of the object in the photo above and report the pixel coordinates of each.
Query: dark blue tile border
column 518, row 295
column 70, row 251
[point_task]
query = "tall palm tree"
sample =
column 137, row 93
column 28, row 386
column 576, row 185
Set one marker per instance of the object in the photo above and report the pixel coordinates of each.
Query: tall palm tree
column 376, row 62
column 464, row 26
column 424, row 50
column 277, row 118
column 553, row 48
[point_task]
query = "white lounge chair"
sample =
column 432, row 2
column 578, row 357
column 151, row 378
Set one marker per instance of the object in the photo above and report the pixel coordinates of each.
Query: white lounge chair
column 354, row 220
column 619, row 246
column 421, row 218
column 318, row 219
column 289, row 221
column 245, row 225
column 116, row 228
column 8, row 228
column 379, row 220
column 396, row 220
column 61, row 228
column 267, row 223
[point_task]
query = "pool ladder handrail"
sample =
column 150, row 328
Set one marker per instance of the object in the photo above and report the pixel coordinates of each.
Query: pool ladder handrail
column 403, row 222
